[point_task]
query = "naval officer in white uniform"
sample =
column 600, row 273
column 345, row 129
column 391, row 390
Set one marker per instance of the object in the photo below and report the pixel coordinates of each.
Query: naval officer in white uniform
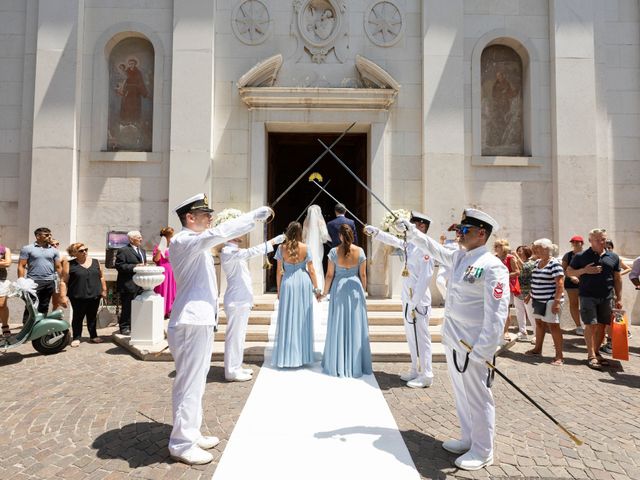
column 416, row 301
column 238, row 301
column 193, row 317
column 475, row 311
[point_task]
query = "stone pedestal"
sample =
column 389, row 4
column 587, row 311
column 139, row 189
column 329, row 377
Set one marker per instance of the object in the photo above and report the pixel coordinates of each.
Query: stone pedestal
column 147, row 309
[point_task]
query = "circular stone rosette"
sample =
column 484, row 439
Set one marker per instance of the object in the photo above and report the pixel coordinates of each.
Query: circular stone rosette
column 384, row 23
column 251, row 22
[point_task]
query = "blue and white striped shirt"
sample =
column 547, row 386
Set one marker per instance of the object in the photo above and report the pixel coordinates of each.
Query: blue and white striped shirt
column 543, row 280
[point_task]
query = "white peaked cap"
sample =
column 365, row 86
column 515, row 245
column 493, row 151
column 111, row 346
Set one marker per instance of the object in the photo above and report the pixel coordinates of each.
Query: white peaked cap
column 420, row 216
column 197, row 202
column 471, row 216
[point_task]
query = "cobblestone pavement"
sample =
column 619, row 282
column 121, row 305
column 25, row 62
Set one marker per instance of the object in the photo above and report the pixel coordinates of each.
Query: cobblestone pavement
column 94, row 412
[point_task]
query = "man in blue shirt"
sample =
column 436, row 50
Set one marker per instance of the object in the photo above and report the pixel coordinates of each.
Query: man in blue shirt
column 600, row 283
column 41, row 263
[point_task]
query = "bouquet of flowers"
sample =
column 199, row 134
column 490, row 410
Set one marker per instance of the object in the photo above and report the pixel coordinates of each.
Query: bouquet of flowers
column 226, row 214
column 389, row 221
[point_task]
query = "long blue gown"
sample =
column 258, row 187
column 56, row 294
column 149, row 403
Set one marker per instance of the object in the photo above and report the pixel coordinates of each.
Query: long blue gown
column 294, row 331
column 347, row 352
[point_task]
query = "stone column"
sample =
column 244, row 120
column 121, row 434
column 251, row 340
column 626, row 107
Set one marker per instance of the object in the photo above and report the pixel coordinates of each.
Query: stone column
column 443, row 112
column 54, row 172
column 573, row 118
column 191, row 102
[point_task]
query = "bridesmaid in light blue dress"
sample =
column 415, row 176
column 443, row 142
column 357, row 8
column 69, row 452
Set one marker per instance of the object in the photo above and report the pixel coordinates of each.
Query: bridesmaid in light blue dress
column 347, row 352
column 296, row 280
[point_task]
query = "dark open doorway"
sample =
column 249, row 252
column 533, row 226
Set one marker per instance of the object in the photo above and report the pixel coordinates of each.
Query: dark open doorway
column 290, row 154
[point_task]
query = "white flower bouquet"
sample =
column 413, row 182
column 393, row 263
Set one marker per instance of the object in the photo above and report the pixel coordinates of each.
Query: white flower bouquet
column 388, row 223
column 226, row 214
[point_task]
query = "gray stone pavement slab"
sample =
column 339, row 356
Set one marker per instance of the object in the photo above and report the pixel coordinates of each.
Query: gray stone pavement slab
column 95, row 412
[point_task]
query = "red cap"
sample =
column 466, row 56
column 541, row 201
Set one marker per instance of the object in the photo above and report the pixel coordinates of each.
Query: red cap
column 577, row 238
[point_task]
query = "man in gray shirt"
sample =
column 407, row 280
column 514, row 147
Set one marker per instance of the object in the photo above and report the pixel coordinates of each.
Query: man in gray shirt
column 41, row 263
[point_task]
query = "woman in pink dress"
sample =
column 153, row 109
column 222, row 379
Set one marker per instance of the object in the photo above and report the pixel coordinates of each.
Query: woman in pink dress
column 161, row 258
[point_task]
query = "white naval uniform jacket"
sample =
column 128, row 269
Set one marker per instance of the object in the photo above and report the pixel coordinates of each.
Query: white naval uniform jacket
column 196, row 301
column 477, row 300
column 234, row 264
column 415, row 287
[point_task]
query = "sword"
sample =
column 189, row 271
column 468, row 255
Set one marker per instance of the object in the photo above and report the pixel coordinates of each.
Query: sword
column 415, row 330
column 311, row 202
column 491, row 366
column 338, row 201
column 327, row 150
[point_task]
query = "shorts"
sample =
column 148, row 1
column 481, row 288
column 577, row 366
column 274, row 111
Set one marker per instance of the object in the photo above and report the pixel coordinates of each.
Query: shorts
column 4, row 287
column 595, row 310
column 542, row 311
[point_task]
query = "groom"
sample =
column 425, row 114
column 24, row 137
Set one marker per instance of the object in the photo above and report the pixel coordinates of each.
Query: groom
column 334, row 225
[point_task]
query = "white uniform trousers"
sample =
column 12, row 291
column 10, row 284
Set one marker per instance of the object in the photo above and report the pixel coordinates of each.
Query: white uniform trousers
column 234, row 336
column 474, row 403
column 424, row 341
column 191, row 347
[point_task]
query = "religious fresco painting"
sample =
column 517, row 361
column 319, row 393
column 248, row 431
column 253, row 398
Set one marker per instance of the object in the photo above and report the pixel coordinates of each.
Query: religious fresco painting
column 502, row 107
column 131, row 70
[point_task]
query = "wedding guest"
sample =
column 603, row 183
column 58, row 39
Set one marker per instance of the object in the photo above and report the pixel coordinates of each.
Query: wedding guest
column 5, row 262
column 128, row 257
column 167, row 289
column 571, row 282
column 59, row 297
column 547, row 289
column 503, row 252
column 524, row 310
column 347, row 352
column 296, row 283
column 40, row 262
column 85, row 286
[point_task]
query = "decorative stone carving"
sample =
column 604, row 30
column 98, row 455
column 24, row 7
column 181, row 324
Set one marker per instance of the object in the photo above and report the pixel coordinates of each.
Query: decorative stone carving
column 251, row 22
column 384, row 23
column 262, row 74
column 374, row 76
column 321, row 24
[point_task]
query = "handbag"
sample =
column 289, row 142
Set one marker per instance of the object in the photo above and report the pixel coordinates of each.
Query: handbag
column 619, row 338
column 105, row 317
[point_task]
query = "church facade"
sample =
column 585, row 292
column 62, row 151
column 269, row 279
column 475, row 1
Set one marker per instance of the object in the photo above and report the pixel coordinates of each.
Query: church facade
column 113, row 111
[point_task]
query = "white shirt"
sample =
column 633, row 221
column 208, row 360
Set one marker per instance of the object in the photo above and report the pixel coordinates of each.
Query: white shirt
column 196, row 301
column 234, row 263
column 477, row 300
column 415, row 287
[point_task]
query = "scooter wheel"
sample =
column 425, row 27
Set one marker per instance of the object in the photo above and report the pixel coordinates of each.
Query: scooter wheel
column 52, row 343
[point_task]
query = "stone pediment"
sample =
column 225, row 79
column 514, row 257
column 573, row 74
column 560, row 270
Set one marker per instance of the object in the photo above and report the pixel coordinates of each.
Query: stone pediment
column 257, row 90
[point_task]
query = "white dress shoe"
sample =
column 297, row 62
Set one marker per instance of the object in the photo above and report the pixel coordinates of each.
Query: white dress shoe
column 248, row 371
column 208, row 442
column 194, row 456
column 421, row 381
column 238, row 376
column 473, row 461
column 410, row 375
column 456, row 446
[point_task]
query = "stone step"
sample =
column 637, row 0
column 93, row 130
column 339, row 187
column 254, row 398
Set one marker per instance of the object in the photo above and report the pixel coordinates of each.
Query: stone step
column 265, row 303
column 257, row 317
column 377, row 333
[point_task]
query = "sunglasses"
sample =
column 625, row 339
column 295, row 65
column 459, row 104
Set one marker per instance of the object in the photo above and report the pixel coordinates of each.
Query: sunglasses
column 83, row 250
column 463, row 229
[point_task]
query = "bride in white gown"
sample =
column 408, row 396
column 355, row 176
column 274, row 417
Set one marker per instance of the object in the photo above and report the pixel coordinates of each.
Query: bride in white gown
column 315, row 235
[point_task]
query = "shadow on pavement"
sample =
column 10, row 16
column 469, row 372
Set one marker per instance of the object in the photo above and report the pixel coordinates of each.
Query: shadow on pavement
column 140, row 444
column 116, row 350
column 11, row 358
column 387, row 381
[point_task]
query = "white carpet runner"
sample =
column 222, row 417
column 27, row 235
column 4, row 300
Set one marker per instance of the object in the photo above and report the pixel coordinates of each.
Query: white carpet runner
column 302, row 424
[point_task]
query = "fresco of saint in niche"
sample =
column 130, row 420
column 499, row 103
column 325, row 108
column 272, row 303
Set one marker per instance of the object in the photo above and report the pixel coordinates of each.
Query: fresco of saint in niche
column 501, row 80
column 131, row 96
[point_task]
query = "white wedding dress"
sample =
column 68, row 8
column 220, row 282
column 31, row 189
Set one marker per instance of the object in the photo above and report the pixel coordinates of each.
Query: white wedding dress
column 315, row 234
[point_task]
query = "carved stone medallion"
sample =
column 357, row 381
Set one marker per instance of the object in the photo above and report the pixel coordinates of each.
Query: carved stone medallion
column 251, row 22
column 384, row 23
column 320, row 24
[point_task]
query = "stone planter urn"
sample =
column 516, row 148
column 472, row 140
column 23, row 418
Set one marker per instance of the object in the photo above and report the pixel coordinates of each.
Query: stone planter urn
column 147, row 309
column 148, row 278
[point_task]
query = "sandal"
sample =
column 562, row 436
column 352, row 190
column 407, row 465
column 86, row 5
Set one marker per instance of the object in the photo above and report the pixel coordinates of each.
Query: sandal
column 557, row 362
column 594, row 364
column 602, row 361
column 6, row 331
column 533, row 353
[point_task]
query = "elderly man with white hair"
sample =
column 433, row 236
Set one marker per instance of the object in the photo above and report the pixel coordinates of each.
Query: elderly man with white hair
column 547, row 295
column 127, row 258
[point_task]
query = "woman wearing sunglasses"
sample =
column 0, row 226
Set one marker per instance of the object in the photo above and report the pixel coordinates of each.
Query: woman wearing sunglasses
column 85, row 286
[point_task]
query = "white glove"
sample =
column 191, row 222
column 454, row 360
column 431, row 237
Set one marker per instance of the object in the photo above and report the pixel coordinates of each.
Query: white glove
column 404, row 225
column 371, row 230
column 279, row 239
column 261, row 214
